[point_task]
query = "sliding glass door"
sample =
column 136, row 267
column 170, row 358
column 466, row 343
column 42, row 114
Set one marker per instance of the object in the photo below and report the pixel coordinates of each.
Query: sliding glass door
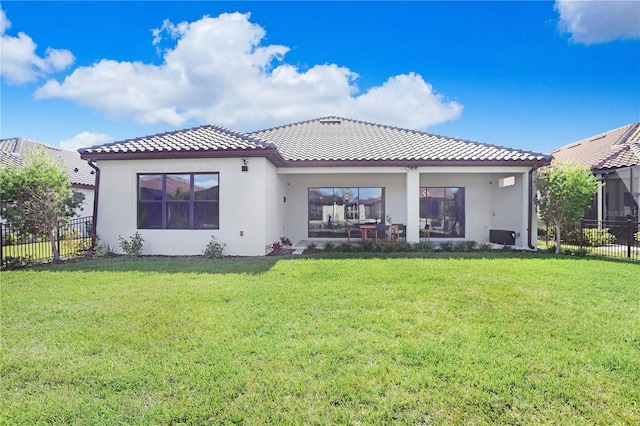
column 333, row 210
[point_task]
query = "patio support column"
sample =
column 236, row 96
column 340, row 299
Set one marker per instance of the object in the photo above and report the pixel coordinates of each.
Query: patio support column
column 527, row 205
column 413, row 205
column 600, row 202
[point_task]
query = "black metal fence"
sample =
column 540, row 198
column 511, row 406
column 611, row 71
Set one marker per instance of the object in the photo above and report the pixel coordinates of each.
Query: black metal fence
column 611, row 238
column 619, row 239
column 21, row 249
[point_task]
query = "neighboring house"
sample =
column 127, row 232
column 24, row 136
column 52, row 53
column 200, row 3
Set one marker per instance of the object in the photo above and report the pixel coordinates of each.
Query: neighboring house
column 80, row 174
column 310, row 181
column 614, row 158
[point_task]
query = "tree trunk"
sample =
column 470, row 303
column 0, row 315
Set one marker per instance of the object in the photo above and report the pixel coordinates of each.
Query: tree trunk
column 52, row 239
column 558, row 237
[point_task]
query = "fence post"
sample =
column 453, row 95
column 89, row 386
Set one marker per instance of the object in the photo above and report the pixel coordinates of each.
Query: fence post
column 629, row 237
column 57, row 242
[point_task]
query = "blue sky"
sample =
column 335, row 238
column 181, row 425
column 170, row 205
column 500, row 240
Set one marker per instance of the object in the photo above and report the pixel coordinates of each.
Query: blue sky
column 533, row 75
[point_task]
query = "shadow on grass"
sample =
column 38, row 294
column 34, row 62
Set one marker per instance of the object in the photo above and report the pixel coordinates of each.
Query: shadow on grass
column 260, row 265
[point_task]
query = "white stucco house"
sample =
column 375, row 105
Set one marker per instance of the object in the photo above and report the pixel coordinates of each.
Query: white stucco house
column 309, row 181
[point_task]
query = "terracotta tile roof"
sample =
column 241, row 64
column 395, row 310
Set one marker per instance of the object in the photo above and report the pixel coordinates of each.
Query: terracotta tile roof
column 78, row 170
column 335, row 139
column 609, row 150
column 206, row 139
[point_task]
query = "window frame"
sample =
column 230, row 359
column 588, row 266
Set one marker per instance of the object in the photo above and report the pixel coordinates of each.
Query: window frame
column 341, row 196
column 164, row 202
column 442, row 229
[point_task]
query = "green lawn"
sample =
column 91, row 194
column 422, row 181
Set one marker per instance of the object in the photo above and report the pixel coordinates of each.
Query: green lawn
column 504, row 338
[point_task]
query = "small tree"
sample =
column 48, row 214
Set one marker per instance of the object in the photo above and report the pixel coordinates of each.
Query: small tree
column 36, row 197
column 564, row 191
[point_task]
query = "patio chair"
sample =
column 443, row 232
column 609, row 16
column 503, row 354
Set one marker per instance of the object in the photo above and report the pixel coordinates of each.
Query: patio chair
column 401, row 233
column 381, row 231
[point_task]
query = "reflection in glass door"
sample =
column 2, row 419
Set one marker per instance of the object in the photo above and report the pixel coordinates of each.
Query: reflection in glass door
column 332, row 211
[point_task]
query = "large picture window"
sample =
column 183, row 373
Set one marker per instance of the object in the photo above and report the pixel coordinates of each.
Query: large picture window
column 442, row 211
column 333, row 210
column 178, row 201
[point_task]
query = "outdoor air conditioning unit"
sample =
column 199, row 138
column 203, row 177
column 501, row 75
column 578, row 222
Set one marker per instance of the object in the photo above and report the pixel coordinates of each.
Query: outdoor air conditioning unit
column 501, row 236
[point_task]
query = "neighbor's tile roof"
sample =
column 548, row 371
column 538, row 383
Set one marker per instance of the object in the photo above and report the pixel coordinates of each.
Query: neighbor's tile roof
column 609, row 150
column 78, row 170
column 206, row 139
column 340, row 139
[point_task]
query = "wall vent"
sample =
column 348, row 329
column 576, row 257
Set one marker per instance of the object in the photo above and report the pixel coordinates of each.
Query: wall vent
column 331, row 121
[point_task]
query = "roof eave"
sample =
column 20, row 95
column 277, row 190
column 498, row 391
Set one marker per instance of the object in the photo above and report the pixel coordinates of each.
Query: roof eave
column 83, row 185
column 271, row 154
column 416, row 163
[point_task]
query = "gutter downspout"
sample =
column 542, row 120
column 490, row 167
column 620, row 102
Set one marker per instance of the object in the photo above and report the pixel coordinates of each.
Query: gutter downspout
column 94, row 223
column 530, row 213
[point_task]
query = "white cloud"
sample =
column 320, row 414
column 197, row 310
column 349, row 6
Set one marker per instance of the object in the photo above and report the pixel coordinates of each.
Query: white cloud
column 85, row 140
column 20, row 63
column 599, row 21
column 216, row 70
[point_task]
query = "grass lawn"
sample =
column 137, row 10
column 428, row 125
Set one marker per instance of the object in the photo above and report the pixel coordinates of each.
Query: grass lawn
column 503, row 338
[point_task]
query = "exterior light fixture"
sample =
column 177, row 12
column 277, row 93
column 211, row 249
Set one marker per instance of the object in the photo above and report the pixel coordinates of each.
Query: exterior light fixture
column 245, row 165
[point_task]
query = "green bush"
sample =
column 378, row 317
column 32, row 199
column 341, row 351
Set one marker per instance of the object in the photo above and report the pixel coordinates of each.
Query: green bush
column 214, row 249
column 402, row 247
column 345, row 248
column 311, row 248
column 465, row 246
column 367, row 246
column 133, row 247
column 485, row 247
column 106, row 251
column 424, row 247
column 581, row 252
column 74, row 243
column 446, row 246
column 597, row 237
column 17, row 262
column 329, row 247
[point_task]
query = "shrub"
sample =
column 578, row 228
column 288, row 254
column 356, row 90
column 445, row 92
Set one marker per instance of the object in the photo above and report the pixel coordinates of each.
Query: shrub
column 402, row 247
column 214, row 249
column 368, row 246
column 446, row 246
column 485, row 247
column 329, row 247
column 133, row 247
column 465, row 246
column 106, row 251
column 384, row 247
column 345, row 248
column 551, row 248
column 311, row 248
column 74, row 243
column 567, row 251
column 286, row 242
column 275, row 247
column 10, row 262
column 424, row 247
column 280, row 247
column 581, row 252
column 597, row 237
